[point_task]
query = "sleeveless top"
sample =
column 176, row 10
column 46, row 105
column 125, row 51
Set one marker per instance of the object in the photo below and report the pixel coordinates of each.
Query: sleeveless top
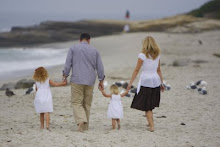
column 149, row 76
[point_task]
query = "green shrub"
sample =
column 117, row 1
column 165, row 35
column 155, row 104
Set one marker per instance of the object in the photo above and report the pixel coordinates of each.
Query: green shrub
column 212, row 7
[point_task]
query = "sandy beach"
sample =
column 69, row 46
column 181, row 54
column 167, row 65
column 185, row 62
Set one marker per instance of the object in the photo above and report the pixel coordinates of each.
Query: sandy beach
column 20, row 125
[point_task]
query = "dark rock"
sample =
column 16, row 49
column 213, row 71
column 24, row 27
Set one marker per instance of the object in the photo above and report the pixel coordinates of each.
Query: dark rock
column 54, row 31
column 199, row 61
column 167, row 87
column 200, row 42
column 198, row 82
column 216, row 55
column 203, row 92
column 161, row 116
column 9, row 93
column 182, row 124
column 29, row 90
column 118, row 84
column 193, row 87
column 199, row 89
column 24, row 83
column 8, row 85
column 133, row 90
column 201, row 83
column 125, row 85
column 180, row 62
column 162, row 64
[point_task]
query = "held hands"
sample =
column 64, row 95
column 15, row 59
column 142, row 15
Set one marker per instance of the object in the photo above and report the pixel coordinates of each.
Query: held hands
column 64, row 82
column 101, row 86
column 100, row 89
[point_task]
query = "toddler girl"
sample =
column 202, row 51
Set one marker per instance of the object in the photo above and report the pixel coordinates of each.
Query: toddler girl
column 43, row 99
column 115, row 109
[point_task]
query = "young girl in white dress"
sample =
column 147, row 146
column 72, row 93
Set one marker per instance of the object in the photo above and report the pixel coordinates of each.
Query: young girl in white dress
column 115, row 109
column 43, row 99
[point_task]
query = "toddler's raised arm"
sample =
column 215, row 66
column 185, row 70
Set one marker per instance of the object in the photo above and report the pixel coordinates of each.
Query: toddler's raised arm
column 124, row 94
column 105, row 94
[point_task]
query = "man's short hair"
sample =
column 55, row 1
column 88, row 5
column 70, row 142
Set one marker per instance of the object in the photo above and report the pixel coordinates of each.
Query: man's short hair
column 84, row 36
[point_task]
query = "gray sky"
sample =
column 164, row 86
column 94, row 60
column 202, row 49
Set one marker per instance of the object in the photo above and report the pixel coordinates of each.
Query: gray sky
column 63, row 6
column 17, row 11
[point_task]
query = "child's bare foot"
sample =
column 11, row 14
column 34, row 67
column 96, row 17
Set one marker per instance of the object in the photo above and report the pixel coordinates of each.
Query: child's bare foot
column 80, row 127
column 113, row 127
column 151, row 129
column 119, row 126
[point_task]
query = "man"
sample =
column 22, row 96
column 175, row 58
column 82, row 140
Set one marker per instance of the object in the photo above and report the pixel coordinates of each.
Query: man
column 84, row 61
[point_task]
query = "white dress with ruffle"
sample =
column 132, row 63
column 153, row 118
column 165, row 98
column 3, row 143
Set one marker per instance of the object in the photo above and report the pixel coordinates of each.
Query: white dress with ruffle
column 43, row 99
column 115, row 109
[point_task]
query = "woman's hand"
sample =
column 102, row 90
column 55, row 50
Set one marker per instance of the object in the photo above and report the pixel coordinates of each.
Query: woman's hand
column 129, row 86
column 162, row 87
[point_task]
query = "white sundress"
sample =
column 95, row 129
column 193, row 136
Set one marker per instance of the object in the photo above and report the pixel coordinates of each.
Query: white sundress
column 43, row 99
column 115, row 109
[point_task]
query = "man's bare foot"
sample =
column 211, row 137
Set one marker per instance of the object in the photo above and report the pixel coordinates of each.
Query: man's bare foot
column 80, row 127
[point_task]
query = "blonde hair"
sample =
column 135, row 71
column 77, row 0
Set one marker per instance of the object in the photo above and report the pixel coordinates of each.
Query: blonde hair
column 114, row 89
column 150, row 47
column 40, row 74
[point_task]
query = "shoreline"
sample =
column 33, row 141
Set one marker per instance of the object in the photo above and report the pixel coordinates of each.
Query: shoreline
column 105, row 54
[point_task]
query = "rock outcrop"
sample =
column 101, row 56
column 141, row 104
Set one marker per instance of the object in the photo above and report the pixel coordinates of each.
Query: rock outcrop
column 24, row 83
column 52, row 31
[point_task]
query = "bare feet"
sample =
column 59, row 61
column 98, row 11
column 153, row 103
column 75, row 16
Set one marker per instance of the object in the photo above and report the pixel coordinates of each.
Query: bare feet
column 80, row 127
column 119, row 126
column 151, row 129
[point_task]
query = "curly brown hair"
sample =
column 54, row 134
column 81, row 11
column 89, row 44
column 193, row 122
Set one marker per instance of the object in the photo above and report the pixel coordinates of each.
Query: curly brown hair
column 40, row 74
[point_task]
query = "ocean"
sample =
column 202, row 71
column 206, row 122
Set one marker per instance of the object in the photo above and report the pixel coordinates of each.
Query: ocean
column 15, row 61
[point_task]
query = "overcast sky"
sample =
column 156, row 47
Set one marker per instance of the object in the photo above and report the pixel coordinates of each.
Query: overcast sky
column 40, row 10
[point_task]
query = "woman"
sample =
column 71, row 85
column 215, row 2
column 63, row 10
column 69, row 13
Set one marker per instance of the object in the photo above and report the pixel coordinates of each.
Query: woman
column 151, row 80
